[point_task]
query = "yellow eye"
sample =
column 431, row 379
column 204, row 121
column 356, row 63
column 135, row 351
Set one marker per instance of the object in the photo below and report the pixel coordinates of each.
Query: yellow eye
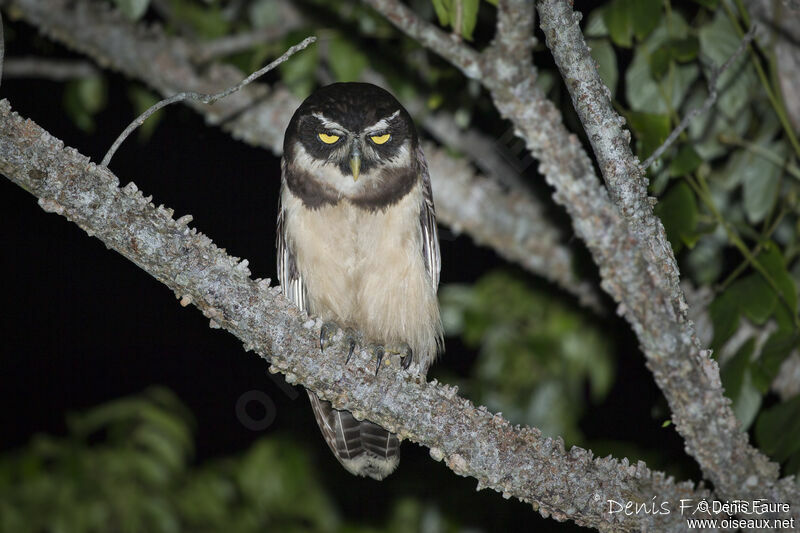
column 380, row 139
column 328, row 139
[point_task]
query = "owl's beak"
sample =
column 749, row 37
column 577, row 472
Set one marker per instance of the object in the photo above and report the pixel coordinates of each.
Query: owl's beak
column 355, row 162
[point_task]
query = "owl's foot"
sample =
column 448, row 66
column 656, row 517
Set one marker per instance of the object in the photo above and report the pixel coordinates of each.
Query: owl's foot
column 328, row 332
column 402, row 349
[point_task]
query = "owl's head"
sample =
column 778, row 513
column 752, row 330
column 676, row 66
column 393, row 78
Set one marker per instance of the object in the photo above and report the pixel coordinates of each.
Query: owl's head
column 351, row 137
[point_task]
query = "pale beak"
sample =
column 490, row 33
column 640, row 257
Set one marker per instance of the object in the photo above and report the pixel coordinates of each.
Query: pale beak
column 355, row 162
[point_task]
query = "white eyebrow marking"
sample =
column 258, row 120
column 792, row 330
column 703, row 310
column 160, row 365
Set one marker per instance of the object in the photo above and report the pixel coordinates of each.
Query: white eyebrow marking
column 328, row 123
column 382, row 124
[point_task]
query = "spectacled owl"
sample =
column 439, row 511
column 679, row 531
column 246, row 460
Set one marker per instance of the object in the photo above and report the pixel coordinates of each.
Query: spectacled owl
column 357, row 245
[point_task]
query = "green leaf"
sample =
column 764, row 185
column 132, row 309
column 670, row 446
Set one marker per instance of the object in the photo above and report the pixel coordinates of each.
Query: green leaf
column 684, row 50
column 442, row 8
column 732, row 373
column 596, row 25
column 778, row 429
column 678, row 211
column 264, row 13
column 773, row 262
column 680, row 50
column 448, row 14
column 469, row 17
column 659, row 62
column 603, row 52
column 619, row 21
column 83, row 99
column 643, row 92
column 685, row 162
column 346, row 61
column 724, row 313
column 142, row 100
column 760, row 179
column 776, row 349
column 626, row 18
column 719, row 41
column 755, row 298
column 207, row 20
column 651, row 131
column 133, row 9
column 645, row 14
column 738, row 384
column 704, row 131
column 299, row 72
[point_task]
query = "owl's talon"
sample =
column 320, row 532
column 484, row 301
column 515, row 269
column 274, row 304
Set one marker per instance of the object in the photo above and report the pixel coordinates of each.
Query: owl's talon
column 326, row 334
column 401, row 349
column 407, row 356
column 378, row 351
column 352, row 340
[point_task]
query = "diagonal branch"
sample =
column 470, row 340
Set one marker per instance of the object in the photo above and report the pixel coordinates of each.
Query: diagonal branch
column 517, row 461
column 512, row 222
column 626, row 240
column 701, row 413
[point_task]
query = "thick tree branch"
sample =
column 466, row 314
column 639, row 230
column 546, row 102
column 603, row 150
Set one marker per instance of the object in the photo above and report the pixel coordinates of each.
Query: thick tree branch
column 626, row 240
column 510, row 222
column 517, row 461
column 700, row 411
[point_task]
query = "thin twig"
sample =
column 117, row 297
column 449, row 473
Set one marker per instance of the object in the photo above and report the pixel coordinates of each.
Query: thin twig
column 707, row 104
column 205, row 98
column 55, row 70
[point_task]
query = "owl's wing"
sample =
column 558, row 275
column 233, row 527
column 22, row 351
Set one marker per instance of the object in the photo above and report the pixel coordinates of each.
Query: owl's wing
column 288, row 274
column 427, row 220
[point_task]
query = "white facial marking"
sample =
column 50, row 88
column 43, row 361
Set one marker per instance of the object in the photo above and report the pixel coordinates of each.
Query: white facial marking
column 328, row 123
column 382, row 124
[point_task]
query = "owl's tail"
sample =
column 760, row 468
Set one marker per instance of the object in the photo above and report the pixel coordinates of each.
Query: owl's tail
column 363, row 448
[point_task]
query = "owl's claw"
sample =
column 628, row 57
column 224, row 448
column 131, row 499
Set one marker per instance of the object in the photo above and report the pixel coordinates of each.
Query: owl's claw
column 351, row 340
column 378, row 351
column 328, row 332
column 407, row 356
column 402, row 349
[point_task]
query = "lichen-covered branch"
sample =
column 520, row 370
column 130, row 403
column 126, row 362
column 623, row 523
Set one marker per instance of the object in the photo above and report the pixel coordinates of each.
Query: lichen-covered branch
column 687, row 375
column 258, row 115
column 517, row 461
column 627, row 242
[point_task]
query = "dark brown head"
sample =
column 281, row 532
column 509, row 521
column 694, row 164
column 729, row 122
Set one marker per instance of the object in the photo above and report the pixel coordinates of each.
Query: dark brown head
column 354, row 139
